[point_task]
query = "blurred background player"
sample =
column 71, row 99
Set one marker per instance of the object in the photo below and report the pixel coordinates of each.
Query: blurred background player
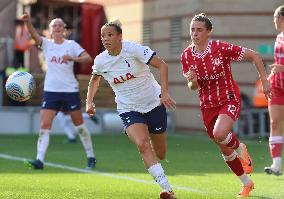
column 22, row 43
column 207, row 66
column 276, row 103
column 68, row 128
column 141, row 101
column 61, row 92
column 66, row 123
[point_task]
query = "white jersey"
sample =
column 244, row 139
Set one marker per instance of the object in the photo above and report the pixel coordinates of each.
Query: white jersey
column 130, row 78
column 60, row 75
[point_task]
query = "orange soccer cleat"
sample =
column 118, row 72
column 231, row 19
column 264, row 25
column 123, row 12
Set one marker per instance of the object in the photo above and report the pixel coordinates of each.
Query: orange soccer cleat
column 246, row 160
column 167, row 195
column 245, row 190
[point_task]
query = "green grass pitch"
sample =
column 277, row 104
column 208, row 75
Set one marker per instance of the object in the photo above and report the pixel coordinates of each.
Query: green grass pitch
column 194, row 167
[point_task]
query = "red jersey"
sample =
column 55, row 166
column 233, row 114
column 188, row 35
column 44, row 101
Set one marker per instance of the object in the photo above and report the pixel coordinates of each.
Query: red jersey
column 277, row 79
column 279, row 49
column 216, row 85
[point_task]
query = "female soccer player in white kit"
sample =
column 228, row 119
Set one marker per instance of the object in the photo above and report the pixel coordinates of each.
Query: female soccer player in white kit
column 141, row 101
column 61, row 92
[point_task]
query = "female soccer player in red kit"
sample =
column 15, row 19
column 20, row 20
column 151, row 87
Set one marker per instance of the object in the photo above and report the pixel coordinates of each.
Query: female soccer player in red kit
column 206, row 64
column 276, row 103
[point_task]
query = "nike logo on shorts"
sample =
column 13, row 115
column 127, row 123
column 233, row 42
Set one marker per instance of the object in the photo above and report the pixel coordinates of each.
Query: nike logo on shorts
column 73, row 106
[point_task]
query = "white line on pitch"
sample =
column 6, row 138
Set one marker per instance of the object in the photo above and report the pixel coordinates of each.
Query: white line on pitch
column 9, row 157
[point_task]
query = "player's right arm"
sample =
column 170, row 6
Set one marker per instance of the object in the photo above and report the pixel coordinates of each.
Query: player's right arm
column 34, row 34
column 192, row 85
column 188, row 72
column 92, row 90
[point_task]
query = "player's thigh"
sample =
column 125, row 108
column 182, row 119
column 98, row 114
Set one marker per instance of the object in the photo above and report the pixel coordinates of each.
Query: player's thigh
column 76, row 117
column 159, row 140
column 223, row 126
column 228, row 115
column 276, row 114
column 46, row 118
column 138, row 133
column 159, row 143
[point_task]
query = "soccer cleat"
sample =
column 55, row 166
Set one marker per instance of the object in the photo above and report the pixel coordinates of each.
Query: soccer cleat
column 246, row 160
column 34, row 164
column 245, row 190
column 167, row 195
column 91, row 163
column 271, row 170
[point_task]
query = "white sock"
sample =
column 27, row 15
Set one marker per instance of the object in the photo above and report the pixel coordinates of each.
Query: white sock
column 229, row 157
column 158, row 174
column 227, row 139
column 240, row 150
column 65, row 123
column 42, row 143
column 245, row 179
column 277, row 163
column 86, row 139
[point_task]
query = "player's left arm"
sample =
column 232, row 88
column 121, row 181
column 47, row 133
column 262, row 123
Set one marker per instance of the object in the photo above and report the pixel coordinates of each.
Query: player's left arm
column 166, row 99
column 257, row 61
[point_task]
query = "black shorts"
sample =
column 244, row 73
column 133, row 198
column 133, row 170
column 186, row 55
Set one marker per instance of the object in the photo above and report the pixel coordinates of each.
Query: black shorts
column 156, row 119
column 61, row 101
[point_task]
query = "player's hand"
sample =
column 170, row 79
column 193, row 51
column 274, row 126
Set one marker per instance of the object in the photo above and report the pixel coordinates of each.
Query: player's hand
column 276, row 68
column 90, row 109
column 25, row 17
column 67, row 58
column 191, row 75
column 167, row 101
column 267, row 90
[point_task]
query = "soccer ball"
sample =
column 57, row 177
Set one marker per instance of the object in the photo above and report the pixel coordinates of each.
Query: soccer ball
column 20, row 86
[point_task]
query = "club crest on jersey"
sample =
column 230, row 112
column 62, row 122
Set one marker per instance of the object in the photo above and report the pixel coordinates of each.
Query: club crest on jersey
column 58, row 60
column 217, row 62
column 122, row 79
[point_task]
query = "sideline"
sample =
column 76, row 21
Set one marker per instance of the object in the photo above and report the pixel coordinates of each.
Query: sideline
column 75, row 169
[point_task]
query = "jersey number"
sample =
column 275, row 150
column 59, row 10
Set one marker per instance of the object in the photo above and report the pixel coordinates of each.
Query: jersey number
column 232, row 109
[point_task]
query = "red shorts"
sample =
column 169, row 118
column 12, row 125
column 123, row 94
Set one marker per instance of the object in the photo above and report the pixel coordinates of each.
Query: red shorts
column 277, row 83
column 210, row 115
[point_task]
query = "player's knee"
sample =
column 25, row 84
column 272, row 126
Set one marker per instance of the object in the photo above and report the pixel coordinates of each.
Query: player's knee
column 219, row 135
column 82, row 130
column 275, row 124
column 78, row 121
column 45, row 125
column 143, row 145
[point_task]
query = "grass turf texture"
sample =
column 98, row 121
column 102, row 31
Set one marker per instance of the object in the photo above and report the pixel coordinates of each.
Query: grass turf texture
column 194, row 167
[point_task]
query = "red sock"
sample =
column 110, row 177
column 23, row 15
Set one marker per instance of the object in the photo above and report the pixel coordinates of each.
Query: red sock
column 276, row 150
column 236, row 166
column 234, row 143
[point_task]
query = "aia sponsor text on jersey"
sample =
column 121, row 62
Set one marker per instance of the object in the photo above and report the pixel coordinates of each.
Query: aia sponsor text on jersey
column 123, row 78
column 58, row 60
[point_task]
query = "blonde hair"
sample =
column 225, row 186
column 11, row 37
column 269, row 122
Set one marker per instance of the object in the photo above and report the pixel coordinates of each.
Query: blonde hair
column 65, row 33
column 280, row 11
column 114, row 23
